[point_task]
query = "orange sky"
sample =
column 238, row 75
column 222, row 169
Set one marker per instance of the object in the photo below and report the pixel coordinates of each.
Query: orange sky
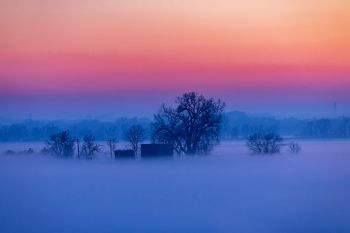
column 252, row 31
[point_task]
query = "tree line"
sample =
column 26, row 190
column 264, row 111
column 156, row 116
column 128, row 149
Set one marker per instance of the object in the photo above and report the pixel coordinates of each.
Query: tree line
column 235, row 125
column 193, row 125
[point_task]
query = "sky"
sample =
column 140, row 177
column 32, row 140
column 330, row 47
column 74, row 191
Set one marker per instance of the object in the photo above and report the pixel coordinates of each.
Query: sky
column 84, row 58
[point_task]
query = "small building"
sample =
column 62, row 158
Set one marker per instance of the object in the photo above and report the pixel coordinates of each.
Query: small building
column 124, row 154
column 156, row 150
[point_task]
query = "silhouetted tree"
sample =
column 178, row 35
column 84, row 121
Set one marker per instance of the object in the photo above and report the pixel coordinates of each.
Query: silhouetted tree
column 193, row 126
column 89, row 147
column 135, row 134
column 264, row 143
column 111, row 143
column 60, row 144
column 294, row 148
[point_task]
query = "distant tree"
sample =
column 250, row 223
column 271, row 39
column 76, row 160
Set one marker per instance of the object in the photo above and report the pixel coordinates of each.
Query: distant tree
column 60, row 144
column 294, row 148
column 192, row 127
column 89, row 147
column 45, row 151
column 135, row 134
column 77, row 141
column 264, row 143
column 111, row 143
column 9, row 152
column 30, row 151
column 26, row 152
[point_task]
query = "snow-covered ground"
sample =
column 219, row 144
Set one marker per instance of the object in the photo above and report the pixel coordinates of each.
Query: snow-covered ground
column 228, row 191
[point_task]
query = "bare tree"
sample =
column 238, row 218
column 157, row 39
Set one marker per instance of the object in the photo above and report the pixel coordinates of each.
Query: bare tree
column 89, row 147
column 294, row 148
column 192, row 127
column 135, row 135
column 264, row 143
column 60, row 144
column 111, row 143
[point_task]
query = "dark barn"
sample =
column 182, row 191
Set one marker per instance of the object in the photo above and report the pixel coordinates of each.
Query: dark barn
column 156, row 150
column 124, row 154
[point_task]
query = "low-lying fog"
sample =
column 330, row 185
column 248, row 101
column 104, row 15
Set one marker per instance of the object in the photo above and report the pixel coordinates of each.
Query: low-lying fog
column 228, row 191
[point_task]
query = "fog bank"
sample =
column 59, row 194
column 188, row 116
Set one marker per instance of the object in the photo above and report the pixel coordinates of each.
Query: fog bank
column 228, row 191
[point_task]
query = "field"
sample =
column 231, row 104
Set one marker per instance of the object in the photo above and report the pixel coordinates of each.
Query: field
column 228, row 191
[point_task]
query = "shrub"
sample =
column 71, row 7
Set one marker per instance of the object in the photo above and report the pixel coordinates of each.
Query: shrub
column 264, row 143
column 294, row 148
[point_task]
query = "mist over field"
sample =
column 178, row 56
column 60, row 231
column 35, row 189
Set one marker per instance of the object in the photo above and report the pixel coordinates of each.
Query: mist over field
column 227, row 191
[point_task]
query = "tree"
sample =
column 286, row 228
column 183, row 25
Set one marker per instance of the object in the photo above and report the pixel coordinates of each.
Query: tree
column 60, row 144
column 111, row 143
column 294, row 148
column 89, row 147
column 192, row 127
column 135, row 134
column 264, row 143
column 77, row 141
